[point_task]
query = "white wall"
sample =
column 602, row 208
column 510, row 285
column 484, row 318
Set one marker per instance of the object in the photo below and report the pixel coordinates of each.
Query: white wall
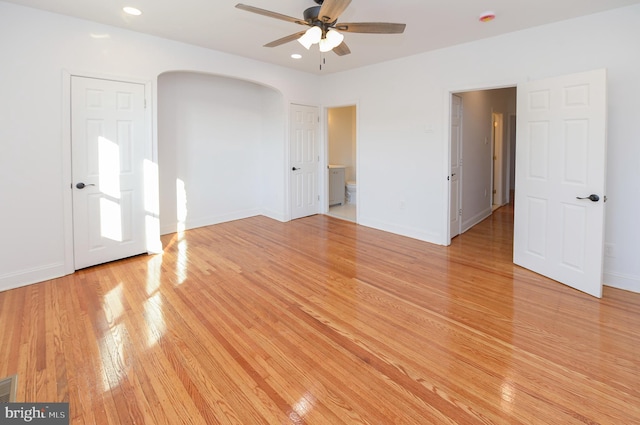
column 212, row 140
column 36, row 47
column 403, row 123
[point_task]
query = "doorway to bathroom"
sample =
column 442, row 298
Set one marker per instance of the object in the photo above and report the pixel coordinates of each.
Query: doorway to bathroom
column 341, row 166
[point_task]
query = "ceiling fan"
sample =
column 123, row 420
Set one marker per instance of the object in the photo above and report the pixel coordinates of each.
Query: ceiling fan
column 324, row 27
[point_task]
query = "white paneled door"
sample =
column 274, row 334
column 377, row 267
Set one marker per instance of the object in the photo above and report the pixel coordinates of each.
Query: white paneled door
column 560, row 179
column 456, row 166
column 107, row 142
column 304, row 161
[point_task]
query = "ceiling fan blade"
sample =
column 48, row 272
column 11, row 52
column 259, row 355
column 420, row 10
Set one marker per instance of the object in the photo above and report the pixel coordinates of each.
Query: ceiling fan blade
column 331, row 9
column 271, row 14
column 286, row 39
column 342, row 49
column 372, row 27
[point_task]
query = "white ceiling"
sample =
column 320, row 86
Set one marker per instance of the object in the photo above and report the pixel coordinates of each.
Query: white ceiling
column 431, row 24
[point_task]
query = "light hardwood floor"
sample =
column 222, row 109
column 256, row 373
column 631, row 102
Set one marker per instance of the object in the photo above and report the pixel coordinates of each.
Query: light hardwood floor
column 321, row 321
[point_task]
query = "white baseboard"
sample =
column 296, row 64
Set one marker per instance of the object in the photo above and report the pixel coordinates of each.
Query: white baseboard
column 275, row 215
column 410, row 232
column 470, row 222
column 210, row 220
column 620, row 281
column 31, row 276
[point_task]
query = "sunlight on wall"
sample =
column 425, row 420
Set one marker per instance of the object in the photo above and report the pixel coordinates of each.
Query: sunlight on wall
column 181, row 206
column 181, row 215
column 152, row 207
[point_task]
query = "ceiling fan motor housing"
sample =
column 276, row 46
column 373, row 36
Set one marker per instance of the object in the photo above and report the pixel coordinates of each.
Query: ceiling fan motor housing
column 311, row 16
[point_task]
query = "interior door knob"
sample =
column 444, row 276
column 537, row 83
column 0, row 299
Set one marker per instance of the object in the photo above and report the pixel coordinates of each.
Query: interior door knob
column 294, row 169
column 82, row 185
column 592, row 197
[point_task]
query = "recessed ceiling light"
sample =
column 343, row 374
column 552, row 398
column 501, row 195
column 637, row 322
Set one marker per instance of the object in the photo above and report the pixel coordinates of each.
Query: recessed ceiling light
column 487, row 16
column 132, row 11
column 296, row 56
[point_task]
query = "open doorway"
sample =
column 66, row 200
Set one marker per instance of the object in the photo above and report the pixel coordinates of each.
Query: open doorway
column 342, row 171
column 483, row 145
column 499, row 162
column 558, row 231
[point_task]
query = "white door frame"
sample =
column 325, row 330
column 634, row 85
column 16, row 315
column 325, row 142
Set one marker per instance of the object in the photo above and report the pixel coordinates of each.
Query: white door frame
column 325, row 154
column 497, row 162
column 511, row 149
column 446, row 217
column 151, row 154
column 450, row 177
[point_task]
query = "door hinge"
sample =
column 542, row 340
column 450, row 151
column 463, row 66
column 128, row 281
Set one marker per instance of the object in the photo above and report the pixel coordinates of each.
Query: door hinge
column 460, row 212
column 495, row 191
column 145, row 104
column 318, row 197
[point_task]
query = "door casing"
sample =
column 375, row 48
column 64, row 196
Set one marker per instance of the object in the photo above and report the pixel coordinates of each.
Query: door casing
column 456, row 170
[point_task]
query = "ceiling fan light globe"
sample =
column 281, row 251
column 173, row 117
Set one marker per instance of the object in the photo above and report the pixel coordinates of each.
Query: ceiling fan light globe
column 325, row 45
column 334, row 38
column 305, row 42
column 311, row 36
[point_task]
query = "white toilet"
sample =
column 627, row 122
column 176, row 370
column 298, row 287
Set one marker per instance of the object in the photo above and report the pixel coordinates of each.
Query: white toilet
column 351, row 192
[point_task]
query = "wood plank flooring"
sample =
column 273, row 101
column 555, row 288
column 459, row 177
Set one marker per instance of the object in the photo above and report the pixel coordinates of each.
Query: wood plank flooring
column 321, row 321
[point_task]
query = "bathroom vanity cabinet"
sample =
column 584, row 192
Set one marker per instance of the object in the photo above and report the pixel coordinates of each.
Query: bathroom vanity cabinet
column 336, row 185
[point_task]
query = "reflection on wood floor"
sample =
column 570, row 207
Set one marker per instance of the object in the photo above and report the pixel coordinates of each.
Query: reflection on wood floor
column 321, row 321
